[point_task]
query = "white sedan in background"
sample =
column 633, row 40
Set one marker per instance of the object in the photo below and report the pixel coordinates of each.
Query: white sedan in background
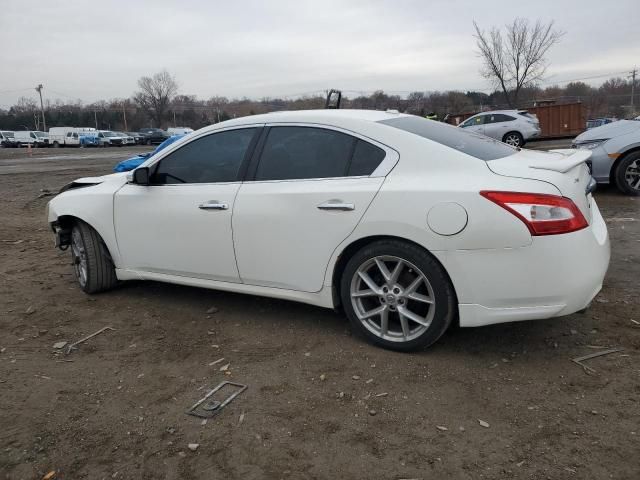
column 405, row 223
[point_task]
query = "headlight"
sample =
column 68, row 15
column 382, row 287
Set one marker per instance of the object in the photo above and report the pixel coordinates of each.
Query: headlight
column 591, row 144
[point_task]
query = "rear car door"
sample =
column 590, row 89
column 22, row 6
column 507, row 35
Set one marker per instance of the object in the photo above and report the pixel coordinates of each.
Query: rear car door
column 307, row 189
column 181, row 223
column 496, row 125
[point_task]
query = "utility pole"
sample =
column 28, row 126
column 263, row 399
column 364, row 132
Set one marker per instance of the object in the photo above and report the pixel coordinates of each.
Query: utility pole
column 95, row 117
column 174, row 118
column 124, row 115
column 634, row 72
column 44, row 122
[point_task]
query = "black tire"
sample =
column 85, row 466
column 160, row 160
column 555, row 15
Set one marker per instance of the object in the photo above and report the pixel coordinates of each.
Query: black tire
column 148, row 142
column 100, row 274
column 628, row 170
column 56, row 145
column 514, row 139
column 443, row 293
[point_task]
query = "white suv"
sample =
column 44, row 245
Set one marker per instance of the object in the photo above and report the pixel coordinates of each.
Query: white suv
column 514, row 127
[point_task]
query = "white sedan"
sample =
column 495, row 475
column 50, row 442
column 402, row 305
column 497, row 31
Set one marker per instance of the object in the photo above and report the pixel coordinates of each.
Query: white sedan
column 405, row 223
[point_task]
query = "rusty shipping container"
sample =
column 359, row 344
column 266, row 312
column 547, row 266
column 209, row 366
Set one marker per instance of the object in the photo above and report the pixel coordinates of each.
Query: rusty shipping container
column 556, row 121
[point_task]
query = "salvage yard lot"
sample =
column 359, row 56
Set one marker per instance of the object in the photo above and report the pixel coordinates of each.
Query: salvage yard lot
column 321, row 403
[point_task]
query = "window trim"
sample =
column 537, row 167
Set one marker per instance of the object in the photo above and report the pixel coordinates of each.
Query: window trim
column 153, row 165
column 382, row 170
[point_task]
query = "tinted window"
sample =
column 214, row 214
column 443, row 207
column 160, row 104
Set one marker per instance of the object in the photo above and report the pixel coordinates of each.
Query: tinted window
column 304, row 152
column 464, row 141
column 214, row 158
column 366, row 158
column 499, row 117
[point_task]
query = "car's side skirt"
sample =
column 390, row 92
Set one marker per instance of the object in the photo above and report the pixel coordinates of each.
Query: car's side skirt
column 323, row 298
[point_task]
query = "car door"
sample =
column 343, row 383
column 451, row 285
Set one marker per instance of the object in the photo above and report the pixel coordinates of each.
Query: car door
column 306, row 191
column 475, row 124
column 496, row 125
column 180, row 224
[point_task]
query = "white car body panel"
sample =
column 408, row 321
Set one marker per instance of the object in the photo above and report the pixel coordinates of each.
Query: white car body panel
column 194, row 243
column 274, row 241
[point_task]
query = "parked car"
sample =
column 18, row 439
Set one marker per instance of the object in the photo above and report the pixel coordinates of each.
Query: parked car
column 598, row 122
column 126, row 138
column 513, row 127
column 154, row 135
column 179, row 130
column 135, row 162
column 31, row 137
column 615, row 154
column 73, row 137
column 7, row 139
column 405, row 223
column 137, row 136
column 110, row 139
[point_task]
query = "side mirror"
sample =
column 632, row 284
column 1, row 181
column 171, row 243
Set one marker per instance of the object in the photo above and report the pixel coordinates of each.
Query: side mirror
column 141, row 176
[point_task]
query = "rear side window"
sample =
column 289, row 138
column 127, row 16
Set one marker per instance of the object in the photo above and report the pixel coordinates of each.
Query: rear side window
column 473, row 144
column 366, row 158
column 211, row 159
column 292, row 153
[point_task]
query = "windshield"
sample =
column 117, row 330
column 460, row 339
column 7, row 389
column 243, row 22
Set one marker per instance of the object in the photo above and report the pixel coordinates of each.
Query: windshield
column 41, row 134
column 474, row 144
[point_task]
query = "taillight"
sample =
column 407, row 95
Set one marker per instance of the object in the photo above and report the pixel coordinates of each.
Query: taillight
column 542, row 214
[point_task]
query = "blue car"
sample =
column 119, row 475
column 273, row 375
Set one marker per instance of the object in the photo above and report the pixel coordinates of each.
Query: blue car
column 135, row 162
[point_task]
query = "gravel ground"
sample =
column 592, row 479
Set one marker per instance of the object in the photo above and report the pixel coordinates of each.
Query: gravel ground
column 495, row 402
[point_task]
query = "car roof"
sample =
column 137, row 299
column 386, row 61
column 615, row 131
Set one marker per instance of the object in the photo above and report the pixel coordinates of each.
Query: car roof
column 327, row 116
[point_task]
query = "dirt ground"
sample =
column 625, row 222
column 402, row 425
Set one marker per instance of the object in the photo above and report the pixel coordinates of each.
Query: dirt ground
column 320, row 402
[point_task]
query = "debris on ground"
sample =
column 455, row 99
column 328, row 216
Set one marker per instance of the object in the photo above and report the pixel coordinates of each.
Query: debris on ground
column 356, row 377
column 323, row 377
column 442, row 428
column 49, row 475
column 241, row 418
column 383, row 394
column 73, row 346
column 579, row 360
column 225, row 367
column 483, row 423
column 207, row 408
column 212, row 310
column 59, row 345
column 30, row 310
column 216, row 362
column 372, row 412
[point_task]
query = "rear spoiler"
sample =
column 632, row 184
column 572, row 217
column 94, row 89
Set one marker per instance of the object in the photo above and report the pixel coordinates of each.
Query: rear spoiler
column 571, row 157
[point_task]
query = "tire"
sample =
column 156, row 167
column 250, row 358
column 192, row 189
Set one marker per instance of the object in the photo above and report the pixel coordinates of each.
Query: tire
column 397, row 297
column 514, row 139
column 148, row 142
column 92, row 264
column 56, row 145
column 627, row 174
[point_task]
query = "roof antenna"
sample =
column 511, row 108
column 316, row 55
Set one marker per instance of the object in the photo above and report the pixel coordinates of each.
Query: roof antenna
column 334, row 97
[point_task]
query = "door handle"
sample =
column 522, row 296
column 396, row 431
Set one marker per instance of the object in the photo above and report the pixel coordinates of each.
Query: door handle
column 214, row 205
column 336, row 205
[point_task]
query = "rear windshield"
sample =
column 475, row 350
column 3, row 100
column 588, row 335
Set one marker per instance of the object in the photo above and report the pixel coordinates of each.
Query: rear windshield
column 471, row 143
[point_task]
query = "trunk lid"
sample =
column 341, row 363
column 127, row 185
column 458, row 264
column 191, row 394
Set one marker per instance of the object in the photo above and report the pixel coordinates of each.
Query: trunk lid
column 565, row 169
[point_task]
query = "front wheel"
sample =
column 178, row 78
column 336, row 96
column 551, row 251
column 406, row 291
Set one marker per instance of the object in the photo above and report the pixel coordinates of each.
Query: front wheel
column 627, row 174
column 514, row 139
column 397, row 295
column 92, row 264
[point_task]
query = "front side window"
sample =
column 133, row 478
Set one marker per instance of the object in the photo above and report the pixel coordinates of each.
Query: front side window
column 304, row 152
column 210, row 159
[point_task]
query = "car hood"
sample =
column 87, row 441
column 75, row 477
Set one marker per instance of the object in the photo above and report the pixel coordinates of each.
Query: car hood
column 610, row 130
column 117, row 179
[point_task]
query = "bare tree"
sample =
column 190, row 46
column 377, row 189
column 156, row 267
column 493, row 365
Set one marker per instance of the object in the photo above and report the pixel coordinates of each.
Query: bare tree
column 155, row 94
column 516, row 59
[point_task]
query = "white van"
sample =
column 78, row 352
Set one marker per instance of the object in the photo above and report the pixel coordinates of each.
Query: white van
column 179, row 130
column 73, row 137
column 31, row 137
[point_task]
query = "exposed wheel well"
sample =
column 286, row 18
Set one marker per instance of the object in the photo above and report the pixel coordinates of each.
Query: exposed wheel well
column 65, row 224
column 354, row 247
column 612, row 172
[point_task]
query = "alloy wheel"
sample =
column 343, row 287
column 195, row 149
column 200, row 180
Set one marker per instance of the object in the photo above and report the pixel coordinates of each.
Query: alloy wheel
column 392, row 298
column 632, row 174
column 79, row 257
column 513, row 140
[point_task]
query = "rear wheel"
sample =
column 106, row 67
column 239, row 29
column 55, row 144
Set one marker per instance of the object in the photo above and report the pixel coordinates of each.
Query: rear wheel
column 627, row 174
column 514, row 139
column 92, row 264
column 397, row 295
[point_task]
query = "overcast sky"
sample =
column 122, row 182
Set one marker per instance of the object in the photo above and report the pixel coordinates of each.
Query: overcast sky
column 98, row 50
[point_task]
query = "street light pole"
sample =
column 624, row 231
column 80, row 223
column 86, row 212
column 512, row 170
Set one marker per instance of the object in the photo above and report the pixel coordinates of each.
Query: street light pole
column 44, row 121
